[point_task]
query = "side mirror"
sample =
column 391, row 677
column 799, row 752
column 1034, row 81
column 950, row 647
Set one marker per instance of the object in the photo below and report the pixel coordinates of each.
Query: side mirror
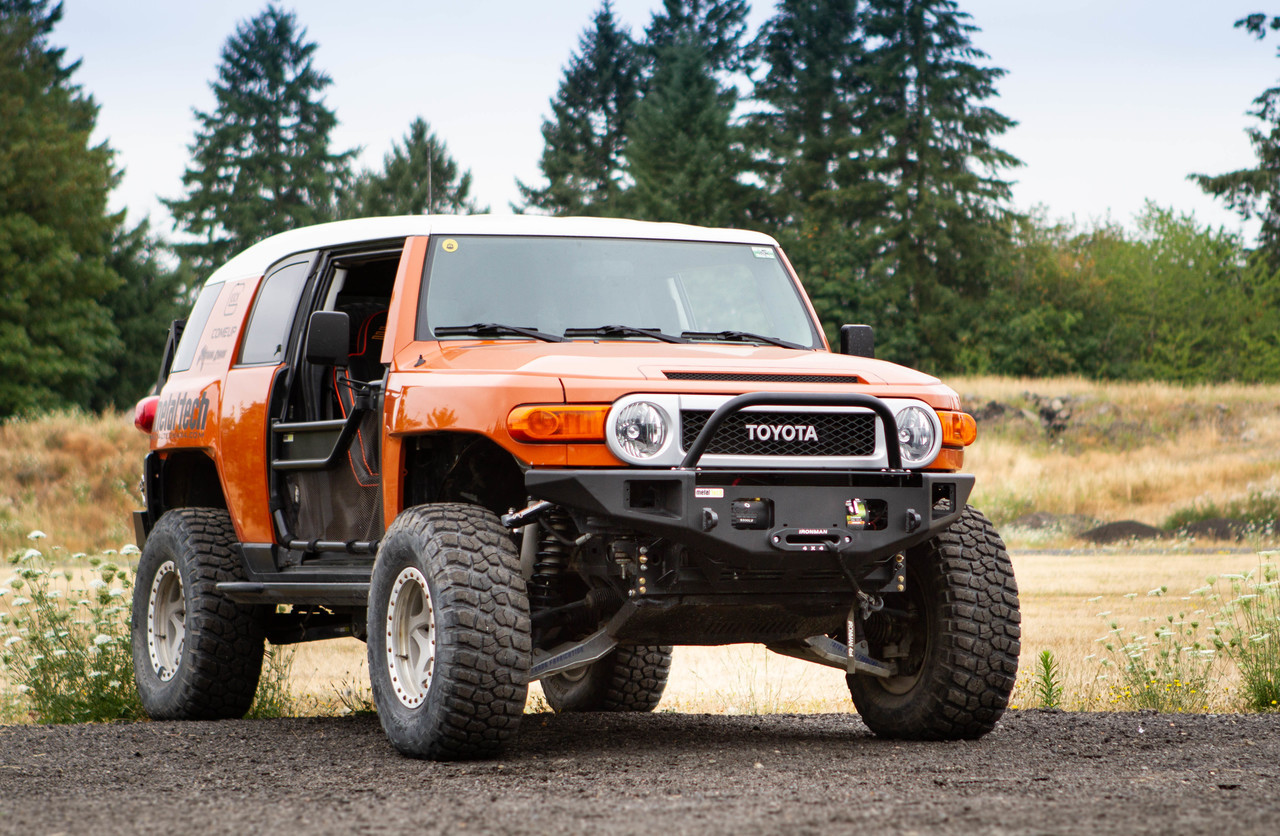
column 328, row 338
column 858, row 340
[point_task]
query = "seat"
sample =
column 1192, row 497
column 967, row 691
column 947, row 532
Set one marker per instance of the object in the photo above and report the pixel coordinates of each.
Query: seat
column 364, row 364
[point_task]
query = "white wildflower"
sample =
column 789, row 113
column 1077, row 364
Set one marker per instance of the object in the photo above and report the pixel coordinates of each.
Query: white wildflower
column 21, row 602
column 117, row 592
column 97, row 583
column 36, row 535
column 131, row 549
column 30, row 554
column 101, row 639
column 12, row 640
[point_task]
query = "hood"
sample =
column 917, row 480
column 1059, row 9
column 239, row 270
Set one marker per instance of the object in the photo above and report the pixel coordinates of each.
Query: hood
column 652, row 361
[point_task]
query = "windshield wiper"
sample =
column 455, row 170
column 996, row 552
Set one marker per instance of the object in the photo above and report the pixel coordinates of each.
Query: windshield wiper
column 623, row 331
column 493, row 329
column 741, row 336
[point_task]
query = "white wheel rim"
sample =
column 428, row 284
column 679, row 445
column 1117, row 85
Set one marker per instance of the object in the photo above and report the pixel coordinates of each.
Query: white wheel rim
column 166, row 621
column 411, row 637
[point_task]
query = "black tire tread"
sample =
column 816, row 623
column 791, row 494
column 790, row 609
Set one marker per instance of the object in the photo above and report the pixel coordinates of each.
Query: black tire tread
column 224, row 640
column 980, row 637
column 637, row 679
column 627, row 679
column 483, row 606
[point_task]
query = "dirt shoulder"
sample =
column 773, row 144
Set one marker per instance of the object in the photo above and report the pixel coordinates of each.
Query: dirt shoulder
column 1038, row 772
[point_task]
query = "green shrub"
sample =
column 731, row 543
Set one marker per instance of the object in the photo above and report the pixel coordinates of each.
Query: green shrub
column 1260, row 510
column 1048, row 680
column 1248, row 632
column 1171, row 668
column 65, row 641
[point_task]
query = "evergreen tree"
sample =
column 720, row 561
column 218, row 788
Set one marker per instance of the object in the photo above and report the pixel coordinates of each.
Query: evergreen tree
column 261, row 161
column 935, row 193
column 150, row 296
column 582, row 159
column 717, row 26
column 683, row 155
column 418, row 177
column 806, row 142
column 55, row 231
column 1255, row 192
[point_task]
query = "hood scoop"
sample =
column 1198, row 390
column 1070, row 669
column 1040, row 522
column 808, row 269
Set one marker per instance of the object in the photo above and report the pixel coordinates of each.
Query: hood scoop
column 758, row 377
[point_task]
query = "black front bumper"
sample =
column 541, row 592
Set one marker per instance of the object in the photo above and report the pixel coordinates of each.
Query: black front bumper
column 752, row 516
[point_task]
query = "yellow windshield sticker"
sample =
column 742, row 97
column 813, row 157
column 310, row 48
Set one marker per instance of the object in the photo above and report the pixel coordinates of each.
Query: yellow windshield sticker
column 449, row 245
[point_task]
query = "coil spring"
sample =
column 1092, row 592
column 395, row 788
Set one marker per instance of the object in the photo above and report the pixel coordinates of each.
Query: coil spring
column 551, row 560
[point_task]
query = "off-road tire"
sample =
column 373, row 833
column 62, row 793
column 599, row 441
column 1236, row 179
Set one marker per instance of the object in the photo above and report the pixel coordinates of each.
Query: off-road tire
column 961, row 585
column 628, row 679
column 218, row 658
column 476, row 625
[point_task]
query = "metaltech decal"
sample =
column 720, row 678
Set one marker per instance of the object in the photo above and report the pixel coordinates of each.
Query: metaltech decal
column 180, row 415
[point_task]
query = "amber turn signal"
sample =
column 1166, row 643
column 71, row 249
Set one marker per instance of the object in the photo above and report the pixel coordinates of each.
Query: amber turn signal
column 557, row 423
column 958, row 429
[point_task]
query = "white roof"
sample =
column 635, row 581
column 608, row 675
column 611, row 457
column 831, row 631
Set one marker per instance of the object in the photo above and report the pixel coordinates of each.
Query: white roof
column 255, row 260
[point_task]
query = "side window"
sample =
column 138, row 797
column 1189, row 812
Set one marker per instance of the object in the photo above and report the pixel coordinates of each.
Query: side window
column 195, row 327
column 273, row 313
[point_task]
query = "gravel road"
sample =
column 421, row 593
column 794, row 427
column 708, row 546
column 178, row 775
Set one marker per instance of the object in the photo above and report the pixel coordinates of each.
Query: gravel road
column 1038, row 772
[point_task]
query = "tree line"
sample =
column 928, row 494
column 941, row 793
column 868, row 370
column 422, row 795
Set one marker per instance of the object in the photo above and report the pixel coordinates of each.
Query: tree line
column 860, row 133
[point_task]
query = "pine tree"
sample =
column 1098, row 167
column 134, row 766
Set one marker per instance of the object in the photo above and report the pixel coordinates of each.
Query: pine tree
column 585, row 138
column 261, row 161
column 418, row 177
column 149, row 297
column 935, row 197
column 717, row 26
column 806, row 142
column 55, row 230
column 1255, row 192
column 683, row 155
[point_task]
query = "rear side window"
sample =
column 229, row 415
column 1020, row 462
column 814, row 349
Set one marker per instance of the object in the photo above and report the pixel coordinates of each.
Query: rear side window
column 195, row 327
column 273, row 312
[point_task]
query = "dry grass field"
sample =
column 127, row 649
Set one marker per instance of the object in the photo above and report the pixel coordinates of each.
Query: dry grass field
column 1124, row 451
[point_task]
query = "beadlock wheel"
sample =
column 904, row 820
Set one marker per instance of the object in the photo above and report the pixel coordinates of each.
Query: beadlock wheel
column 166, row 621
column 411, row 637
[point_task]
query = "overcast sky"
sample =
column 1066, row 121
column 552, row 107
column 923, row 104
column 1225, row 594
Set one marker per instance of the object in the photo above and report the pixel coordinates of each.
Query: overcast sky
column 1117, row 100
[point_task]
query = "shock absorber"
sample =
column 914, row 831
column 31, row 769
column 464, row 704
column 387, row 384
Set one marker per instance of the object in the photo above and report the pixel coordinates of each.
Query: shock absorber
column 554, row 548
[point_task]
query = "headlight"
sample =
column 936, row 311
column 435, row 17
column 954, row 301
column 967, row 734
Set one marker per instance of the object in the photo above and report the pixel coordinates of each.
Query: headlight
column 640, row 429
column 916, row 436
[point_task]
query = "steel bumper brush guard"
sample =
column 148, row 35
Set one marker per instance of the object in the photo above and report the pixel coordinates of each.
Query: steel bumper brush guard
column 771, row 556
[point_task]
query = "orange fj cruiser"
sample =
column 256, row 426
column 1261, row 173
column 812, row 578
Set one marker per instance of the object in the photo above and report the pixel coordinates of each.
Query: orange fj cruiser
column 502, row 450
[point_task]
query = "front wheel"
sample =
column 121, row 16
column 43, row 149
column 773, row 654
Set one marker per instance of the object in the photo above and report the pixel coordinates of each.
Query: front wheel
column 197, row 655
column 628, row 679
column 449, row 643
column 954, row 633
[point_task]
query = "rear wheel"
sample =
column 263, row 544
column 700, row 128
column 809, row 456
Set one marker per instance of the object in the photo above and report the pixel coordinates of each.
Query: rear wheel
column 449, row 644
column 628, row 679
column 197, row 655
column 954, row 633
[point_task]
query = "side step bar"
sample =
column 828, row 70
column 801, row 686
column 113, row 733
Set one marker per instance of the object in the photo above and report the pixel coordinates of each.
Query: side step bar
column 254, row 592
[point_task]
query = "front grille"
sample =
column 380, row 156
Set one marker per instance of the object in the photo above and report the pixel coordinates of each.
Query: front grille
column 784, row 433
column 755, row 377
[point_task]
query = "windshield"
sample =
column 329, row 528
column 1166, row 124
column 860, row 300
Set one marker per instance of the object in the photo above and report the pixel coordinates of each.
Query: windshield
column 610, row 288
